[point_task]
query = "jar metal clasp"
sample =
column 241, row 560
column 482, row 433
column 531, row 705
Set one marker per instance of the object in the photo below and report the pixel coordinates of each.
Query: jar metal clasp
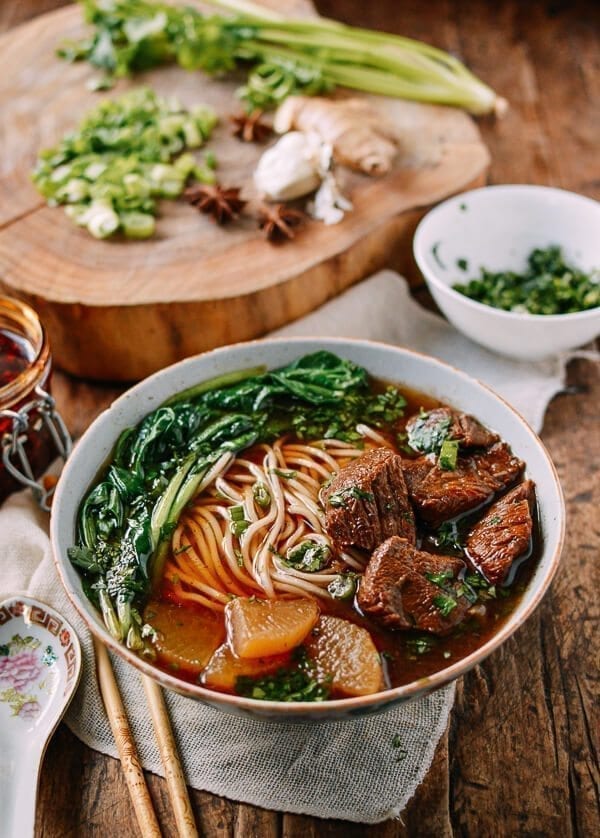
column 14, row 454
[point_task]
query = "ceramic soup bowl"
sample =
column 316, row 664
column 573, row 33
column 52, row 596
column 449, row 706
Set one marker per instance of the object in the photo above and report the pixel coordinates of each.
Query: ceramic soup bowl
column 403, row 367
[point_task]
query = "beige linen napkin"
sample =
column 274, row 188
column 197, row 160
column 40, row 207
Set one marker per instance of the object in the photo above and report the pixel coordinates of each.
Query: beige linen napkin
column 362, row 770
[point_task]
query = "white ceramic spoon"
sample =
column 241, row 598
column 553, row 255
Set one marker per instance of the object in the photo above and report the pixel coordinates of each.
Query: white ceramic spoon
column 40, row 665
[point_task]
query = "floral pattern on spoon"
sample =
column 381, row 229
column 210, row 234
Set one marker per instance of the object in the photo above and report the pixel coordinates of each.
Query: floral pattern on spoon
column 30, row 660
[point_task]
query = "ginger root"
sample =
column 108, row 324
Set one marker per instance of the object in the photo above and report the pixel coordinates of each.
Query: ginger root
column 360, row 137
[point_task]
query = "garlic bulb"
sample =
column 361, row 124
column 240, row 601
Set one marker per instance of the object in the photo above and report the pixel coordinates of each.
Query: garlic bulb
column 289, row 169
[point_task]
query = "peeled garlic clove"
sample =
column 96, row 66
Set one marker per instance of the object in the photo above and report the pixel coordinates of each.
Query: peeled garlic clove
column 288, row 169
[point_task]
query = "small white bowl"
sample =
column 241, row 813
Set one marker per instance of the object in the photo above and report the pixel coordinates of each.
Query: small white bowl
column 497, row 227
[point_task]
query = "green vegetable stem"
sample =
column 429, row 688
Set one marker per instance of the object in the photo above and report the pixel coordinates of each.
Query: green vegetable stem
column 285, row 55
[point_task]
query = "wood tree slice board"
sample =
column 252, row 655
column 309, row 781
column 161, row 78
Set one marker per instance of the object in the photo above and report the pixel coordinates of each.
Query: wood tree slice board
column 122, row 309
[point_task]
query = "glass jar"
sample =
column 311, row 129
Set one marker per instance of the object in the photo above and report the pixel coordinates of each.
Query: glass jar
column 32, row 433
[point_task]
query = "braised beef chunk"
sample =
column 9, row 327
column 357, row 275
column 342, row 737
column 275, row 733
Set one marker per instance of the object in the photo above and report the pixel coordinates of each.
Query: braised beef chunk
column 503, row 534
column 427, row 431
column 367, row 502
column 470, row 432
column 405, row 588
column 439, row 495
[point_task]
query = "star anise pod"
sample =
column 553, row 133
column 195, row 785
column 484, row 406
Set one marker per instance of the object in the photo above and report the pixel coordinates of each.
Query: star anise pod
column 223, row 204
column 277, row 221
column 249, row 128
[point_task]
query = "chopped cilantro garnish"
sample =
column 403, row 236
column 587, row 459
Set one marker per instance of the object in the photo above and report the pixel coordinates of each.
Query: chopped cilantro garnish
column 440, row 578
column 309, row 556
column 421, row 644
column 477, row 587
column 296, row 683
column 427, row 435
column 547, row 286
column 340, row 499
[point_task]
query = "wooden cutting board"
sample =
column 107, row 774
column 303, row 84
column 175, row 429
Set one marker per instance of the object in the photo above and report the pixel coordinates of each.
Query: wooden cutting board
column 122, row 309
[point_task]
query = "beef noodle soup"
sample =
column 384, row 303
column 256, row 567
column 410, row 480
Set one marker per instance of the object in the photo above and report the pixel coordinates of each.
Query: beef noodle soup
column 307, row 533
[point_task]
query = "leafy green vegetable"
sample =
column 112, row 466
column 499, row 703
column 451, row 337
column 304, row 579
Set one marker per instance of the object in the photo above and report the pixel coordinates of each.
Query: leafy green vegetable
column 427, row 434
column 126, row 520
column 110, row 171
column 548, row 286
column 309, row 556
column 285, row 56
column 296, row 683
column 338, row 421
column 448, row 455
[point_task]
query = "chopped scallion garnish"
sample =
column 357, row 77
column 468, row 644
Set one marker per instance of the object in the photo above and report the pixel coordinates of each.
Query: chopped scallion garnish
column 448, row 454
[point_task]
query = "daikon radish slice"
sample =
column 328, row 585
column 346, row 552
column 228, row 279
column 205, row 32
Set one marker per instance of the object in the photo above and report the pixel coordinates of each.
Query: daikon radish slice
column 185, row 638
column 224, row 668
column 345, row 653
column 260, row 628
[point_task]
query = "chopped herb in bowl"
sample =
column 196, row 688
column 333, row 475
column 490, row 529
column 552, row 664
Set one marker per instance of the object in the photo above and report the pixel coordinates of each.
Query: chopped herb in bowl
column 548, row 286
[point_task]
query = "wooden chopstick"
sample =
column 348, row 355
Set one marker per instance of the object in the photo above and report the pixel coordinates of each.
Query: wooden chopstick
column 174, row 775
column 134, row 776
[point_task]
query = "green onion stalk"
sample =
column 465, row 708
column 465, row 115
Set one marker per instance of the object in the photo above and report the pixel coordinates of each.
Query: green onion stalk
column 284, row 55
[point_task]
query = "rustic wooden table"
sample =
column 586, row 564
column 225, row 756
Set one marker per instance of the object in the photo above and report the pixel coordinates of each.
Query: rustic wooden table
column 521, row 753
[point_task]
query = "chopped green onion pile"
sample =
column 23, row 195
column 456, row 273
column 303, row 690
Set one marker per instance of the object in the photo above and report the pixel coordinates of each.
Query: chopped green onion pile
column 285, row 55
column 125, row 153
column 548, row 286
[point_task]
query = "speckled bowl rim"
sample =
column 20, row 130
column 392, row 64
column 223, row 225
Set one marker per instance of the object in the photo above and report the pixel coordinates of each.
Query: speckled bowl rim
column 335, row 708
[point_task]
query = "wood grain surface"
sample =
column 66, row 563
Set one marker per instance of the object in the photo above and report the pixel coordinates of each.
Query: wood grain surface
column 520, row 757
column 118, row 309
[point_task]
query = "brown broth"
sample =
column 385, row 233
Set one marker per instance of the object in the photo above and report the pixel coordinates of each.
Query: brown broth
column 402, row 662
